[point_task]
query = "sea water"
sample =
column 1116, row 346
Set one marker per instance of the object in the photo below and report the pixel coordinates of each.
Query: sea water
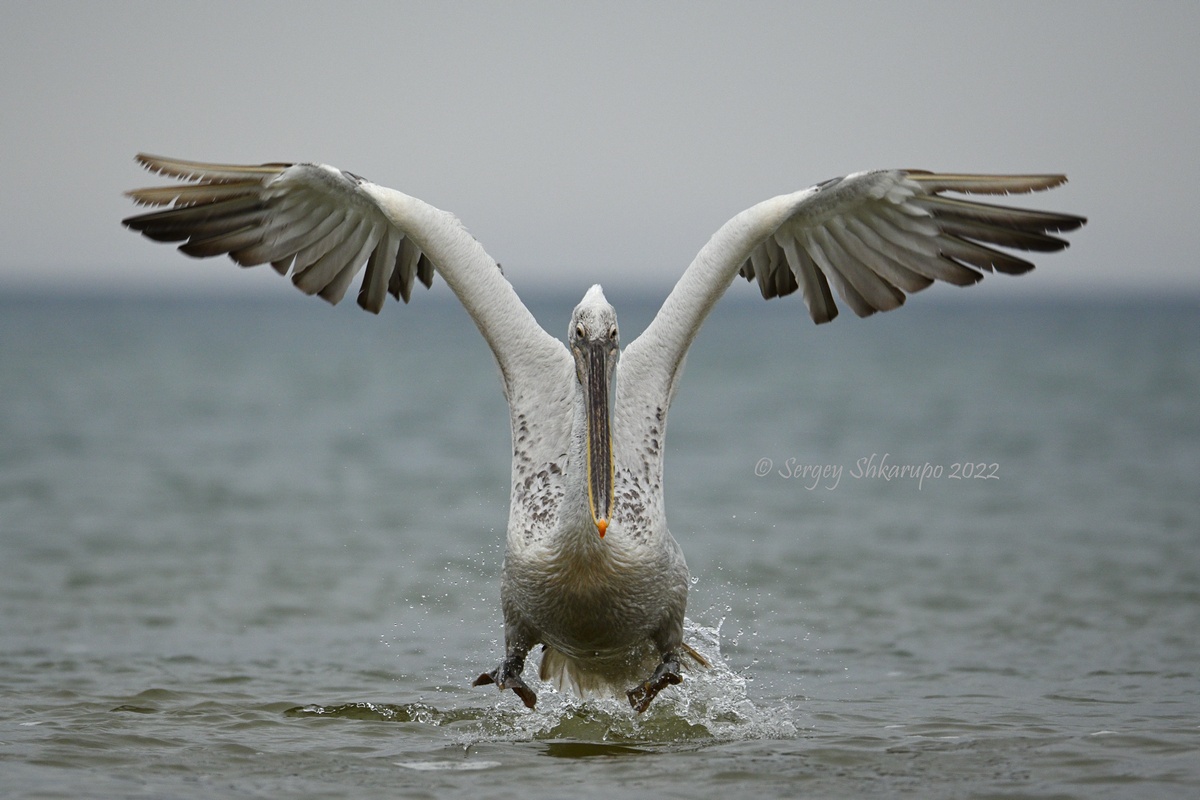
column 251, row 548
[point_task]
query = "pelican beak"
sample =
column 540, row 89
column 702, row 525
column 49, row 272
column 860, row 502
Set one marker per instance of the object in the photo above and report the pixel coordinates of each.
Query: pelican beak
column 599, row 441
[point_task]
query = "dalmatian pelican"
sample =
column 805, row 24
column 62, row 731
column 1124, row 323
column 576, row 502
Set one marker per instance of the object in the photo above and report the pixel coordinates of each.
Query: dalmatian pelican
column 591, row 571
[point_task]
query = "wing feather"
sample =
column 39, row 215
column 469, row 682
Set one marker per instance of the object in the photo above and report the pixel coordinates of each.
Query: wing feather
column 284, row 235
column 760, row 262
column 962, row 251
column 177, row 224
column 335, row 289
column 202, row 171
column 785, row 279
column 1005, row 236
column 223, row 241
column 406, row 270
column 952, row 208
column 878, row 294
column 301, row 244
column 811, row 281
column 849, row 294
column 375, row 282
column 887, row 268
column 336, row 227
column 200, row 194
column 929, row 266
column 315, row 276
column 935, row 183
column 425, row 271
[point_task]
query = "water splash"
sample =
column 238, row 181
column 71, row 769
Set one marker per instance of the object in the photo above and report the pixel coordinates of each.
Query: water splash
column 711, row 705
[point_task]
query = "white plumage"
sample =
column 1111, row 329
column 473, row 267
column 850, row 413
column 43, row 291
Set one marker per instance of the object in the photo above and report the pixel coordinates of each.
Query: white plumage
column 591, row 571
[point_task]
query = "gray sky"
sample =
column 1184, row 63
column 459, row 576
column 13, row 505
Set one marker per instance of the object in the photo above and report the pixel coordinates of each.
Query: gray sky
column 606, row 141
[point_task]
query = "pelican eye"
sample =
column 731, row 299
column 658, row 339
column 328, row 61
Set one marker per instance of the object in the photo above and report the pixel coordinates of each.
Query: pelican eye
column 580, row 332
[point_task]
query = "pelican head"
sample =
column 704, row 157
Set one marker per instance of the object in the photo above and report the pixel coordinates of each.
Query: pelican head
column 595, row 345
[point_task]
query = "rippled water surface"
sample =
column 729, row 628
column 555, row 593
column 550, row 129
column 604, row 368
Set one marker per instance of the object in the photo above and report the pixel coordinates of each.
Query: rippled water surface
column 251, row 549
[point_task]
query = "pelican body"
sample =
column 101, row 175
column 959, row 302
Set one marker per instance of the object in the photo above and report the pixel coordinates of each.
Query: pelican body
column 591, row 571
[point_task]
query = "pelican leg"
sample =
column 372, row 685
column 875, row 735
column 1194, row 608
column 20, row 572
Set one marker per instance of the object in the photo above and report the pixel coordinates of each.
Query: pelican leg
column 666, row 675
column 508, row 676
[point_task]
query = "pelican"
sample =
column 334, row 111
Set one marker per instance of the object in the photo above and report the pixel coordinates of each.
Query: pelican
column 591, row 571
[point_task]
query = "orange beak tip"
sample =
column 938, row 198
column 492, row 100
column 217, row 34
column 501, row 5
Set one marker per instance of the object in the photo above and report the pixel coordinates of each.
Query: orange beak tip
column 602, row 526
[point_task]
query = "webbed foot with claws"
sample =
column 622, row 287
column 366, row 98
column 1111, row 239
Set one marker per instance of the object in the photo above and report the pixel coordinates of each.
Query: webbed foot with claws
column 508, row 676
column 666, row 675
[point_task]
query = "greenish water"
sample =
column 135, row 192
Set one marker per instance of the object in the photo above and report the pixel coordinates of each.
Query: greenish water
column 251, row 549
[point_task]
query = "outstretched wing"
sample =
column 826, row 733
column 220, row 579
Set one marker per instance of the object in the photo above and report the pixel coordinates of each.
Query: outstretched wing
column 874, row 236
column 325, row 225
column 869, row 238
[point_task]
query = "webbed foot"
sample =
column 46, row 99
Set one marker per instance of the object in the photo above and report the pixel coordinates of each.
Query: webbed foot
column 508, row 676
column 666, row 675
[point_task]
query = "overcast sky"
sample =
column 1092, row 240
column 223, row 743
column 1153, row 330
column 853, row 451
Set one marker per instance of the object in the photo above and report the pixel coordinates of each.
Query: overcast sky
column 605, row 141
